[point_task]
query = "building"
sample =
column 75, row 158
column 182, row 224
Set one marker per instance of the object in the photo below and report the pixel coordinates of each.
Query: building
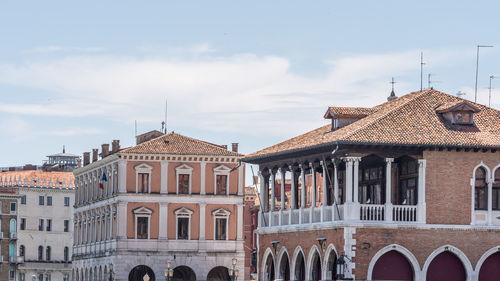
column 66, row 162
column 169, row 198
column 8, row 232
column 251, row 211
column 410, row 191
column 44, row 227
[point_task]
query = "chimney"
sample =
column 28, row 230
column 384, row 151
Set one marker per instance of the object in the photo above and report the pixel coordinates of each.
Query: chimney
column 95, row 153
column 234, row 147
column 86, row 158
column 79, row 162
column 104, row 150
column 115, row 146
column 224, row 146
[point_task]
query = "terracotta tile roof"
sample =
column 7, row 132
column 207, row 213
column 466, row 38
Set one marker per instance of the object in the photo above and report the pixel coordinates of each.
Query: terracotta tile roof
column 174, row 143
column 348, row 112
column 409, row 120
column 35, row 178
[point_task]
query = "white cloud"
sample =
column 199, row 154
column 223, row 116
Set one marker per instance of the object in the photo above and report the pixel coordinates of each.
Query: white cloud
column 240, row 93
column 58, row 49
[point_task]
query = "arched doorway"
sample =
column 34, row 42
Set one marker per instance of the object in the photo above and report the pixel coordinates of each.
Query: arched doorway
column 269, row 269
column 184, row 273
column 446, row 266
column 490, row 269
column 219, row 273
column 300, row 267
column 284, row 267
column 137, row 273
column 315, row 267
column 331, row 266
column 393, row 266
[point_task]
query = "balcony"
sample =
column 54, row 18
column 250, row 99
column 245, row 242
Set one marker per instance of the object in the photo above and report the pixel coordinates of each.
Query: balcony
column 16, row 259
column 13, row 235
column 352, row 212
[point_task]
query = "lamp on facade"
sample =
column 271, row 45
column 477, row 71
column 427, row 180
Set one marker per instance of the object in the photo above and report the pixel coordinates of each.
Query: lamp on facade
column 276, row 244
column 111, row 273
column 322, row 243
column 169, row 272
column 341, row 265
column 233, row 272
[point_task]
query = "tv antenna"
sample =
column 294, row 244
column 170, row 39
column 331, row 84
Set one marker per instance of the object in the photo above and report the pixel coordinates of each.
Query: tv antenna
column 430, row 81
column 460, row 94
column 489, row 96
column 164, row 122
column 477, row 68
column 421, row 70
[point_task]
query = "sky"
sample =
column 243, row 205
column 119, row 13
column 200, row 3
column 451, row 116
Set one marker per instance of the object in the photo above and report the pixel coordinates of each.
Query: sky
column 253, row 72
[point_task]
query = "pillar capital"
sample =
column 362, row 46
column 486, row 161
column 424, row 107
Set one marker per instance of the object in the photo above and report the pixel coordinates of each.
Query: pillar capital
column 422, row 162
column 389, row 160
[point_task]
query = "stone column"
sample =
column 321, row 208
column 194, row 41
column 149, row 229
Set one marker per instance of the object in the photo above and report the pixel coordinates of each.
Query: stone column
column 293, row 190
column 164, row 177
column 421, row 206
column 162, row 224
column 302, row 192
column 490, row 199
column 348, row 180
column 121, row 213
column 122, row 176
column 313, row 192
column 241, row 179
column 110, row 223
column 262, row 191
column 239, row 231
column 203, row 167
column 282, row 191
column 325, row 169
column 356, row 180
column 388, row 189
column 272, row 183
column 202, row 220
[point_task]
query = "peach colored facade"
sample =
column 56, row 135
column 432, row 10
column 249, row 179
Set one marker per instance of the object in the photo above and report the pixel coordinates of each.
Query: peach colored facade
column 110, row 227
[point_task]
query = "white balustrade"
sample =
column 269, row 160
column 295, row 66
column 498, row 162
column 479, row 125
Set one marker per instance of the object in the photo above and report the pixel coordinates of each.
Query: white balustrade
column 372, row 212
column 404, row 213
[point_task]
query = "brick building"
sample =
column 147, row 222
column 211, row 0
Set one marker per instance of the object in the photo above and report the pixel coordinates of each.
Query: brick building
column 409, row 190
column 8, row 232
column 169, row 198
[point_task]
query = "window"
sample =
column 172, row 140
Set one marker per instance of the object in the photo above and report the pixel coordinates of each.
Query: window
column 184, row 173
column 143, row 183
column 21, row 251
column 23, row 224
column 143, row 178
column 221, row 182
column 41, row 200
column 66, row 277
column 13, row 226
column 142, row 228
column 40, row 277
column 12, row 207
column 40, row 254
column 221, row 218
column 22, row 276
column 142, row 218
column 12, row 250
column 496, row 190
column 12, row 274
column 183, row 216
column 66, row 201
column 49, row 200
column 480, row 190
column 371, row 180
column 23, row 200
column 48, row 277
column 66, row 225
column 66, row 254
column 408, row 175
column 47, row 253
column 49, row 225
column 183, row 184
column 40, row 224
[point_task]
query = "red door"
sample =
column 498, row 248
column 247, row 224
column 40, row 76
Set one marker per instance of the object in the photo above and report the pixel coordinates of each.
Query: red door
column 392, row 266
column 490, row 270
column 446, row 266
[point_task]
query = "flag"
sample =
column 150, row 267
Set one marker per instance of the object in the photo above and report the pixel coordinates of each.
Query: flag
column 103, row 179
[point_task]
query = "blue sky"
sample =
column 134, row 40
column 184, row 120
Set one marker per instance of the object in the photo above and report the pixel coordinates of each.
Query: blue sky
column 255, row 72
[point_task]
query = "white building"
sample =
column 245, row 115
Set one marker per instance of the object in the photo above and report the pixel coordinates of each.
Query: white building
column 44, row 223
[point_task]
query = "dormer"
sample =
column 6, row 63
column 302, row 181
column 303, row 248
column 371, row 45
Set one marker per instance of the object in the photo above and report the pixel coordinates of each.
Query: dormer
column 343, row 116
column 458, row 112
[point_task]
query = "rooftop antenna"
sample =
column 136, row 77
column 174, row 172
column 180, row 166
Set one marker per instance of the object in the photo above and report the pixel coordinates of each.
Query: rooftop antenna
column 166, row 108
column 477, row 68
column 136, row 128
column 64, row 148
column 430, row 81
column 421, row 70
column 489, row 96
column 460, row 94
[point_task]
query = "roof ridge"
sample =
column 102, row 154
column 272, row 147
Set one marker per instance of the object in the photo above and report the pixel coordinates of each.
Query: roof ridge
column 417, row 95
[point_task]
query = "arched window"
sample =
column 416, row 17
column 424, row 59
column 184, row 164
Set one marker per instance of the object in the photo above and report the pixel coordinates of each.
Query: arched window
column 21, row 251
column 480, row 190
column 13, row 227
column 47, row 253
column 40, row 253
column 496, row 190
column 66, row 254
